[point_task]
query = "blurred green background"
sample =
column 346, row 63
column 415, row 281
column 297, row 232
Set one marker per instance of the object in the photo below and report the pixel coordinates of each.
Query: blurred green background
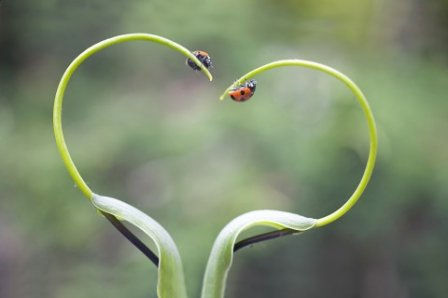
column 144, row 128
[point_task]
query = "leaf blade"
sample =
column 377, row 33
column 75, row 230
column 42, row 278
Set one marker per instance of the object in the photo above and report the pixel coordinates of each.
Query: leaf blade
column 221, row 256
column 171, row 283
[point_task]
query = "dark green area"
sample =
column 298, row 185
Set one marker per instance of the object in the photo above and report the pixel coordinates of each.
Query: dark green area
column 144, row 128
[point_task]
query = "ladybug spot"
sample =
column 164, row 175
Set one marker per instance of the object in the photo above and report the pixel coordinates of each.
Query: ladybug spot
column 242, row 92
column 233, row 97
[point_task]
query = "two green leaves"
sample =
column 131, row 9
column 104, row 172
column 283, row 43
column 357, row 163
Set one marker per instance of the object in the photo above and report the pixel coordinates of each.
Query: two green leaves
column 171, row 282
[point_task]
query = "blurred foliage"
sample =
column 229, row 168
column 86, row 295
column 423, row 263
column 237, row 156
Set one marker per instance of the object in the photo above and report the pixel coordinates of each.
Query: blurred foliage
column 144, row 128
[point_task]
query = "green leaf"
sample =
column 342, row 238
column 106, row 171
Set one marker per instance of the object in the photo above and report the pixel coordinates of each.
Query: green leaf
column 221, row 256
column 171, row 282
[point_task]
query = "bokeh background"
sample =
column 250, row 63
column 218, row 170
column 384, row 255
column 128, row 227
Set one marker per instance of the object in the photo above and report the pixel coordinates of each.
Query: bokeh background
column 143, row 127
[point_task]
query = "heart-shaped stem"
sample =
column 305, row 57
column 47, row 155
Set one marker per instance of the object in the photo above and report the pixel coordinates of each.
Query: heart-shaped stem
column 367, row 113
column 57, row 118
column 225, row 245
column 57, row 109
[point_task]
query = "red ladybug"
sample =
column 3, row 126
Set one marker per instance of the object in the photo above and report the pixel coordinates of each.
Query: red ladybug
column 244, row 91
column 204, row 57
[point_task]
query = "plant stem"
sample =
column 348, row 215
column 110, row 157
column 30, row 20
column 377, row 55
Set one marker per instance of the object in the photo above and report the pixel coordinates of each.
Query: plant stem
column 367, row 113
column 57, row 119
column 57, row 109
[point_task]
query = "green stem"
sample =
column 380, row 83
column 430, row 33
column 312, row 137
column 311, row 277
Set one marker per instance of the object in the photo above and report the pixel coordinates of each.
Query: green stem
column 367, row 113
column 57, row 109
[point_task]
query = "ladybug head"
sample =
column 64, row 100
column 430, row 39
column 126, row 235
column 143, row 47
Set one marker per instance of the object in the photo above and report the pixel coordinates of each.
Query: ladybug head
column 206, row 60
column 252, row 84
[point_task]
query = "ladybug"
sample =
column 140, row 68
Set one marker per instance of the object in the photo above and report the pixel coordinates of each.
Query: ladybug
column 203, row 56
column 244, row 91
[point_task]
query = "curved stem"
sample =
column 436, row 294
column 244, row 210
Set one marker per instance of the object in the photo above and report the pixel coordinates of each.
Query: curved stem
column 57, row 109
column 367, row 113
column 57, row 121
